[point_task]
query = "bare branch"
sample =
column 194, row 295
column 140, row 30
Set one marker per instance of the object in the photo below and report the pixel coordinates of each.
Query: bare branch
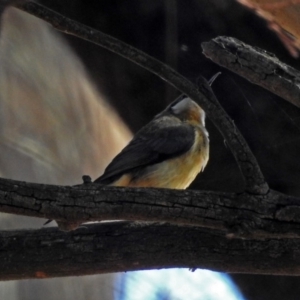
column 271, row 215
column 128, row 246
column 268, row 217
column 255, row 65
column 250, row 169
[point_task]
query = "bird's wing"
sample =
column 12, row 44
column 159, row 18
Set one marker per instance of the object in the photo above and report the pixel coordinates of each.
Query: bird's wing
column 155, row 142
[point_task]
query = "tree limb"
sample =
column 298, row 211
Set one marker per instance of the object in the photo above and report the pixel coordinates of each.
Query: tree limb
column 127, row 246
column 249, row 167
column 267, row 216
column 255, row 65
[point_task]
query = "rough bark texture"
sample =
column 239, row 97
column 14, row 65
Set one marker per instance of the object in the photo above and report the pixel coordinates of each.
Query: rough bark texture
column 270, row 215
column 256, row 65
column 138, row 96
column 127, row 246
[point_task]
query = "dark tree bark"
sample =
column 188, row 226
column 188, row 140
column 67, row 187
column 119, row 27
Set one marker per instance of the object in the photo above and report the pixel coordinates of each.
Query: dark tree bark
column 260, row 216
column 258, row 213
column 256, row 65
column 127, row 246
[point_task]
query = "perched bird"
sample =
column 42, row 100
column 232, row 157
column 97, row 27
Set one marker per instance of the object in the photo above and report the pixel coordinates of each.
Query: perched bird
column 168, row 152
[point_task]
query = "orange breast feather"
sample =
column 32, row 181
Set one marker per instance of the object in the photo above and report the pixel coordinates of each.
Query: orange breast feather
column 176, row 173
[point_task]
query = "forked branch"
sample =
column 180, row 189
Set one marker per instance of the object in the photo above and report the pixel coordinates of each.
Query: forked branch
column 269, row 220
column 203, row 94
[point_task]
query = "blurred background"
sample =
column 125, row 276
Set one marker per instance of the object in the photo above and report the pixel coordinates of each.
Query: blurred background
column 68, row 106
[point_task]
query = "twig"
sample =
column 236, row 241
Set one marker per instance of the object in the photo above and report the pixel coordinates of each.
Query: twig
column 255, row 65
column 255, row 182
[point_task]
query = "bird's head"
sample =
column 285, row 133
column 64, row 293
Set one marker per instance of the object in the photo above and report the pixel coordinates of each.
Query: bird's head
column 186, row 110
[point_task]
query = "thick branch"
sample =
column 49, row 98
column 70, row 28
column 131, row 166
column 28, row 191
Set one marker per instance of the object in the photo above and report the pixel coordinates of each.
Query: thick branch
column 256, row 65
column 126, row 246
column 271, row 215
column 255, row 182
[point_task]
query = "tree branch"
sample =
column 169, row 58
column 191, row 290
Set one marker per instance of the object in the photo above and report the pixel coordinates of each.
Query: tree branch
column 267, row 216
column 255, row 65
column 249, row 167
column 127, row 246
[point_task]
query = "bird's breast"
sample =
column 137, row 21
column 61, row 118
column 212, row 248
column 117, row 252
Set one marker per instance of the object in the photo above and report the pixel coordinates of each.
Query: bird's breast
column 178, row 172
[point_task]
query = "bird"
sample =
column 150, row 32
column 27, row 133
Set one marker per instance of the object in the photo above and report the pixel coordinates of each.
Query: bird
column 168, row 152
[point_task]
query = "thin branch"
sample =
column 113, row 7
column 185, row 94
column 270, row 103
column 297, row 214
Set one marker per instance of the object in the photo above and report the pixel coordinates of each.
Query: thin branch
column 128, row 246
column 255, row 65
column 271, row 215
column 253, row 176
